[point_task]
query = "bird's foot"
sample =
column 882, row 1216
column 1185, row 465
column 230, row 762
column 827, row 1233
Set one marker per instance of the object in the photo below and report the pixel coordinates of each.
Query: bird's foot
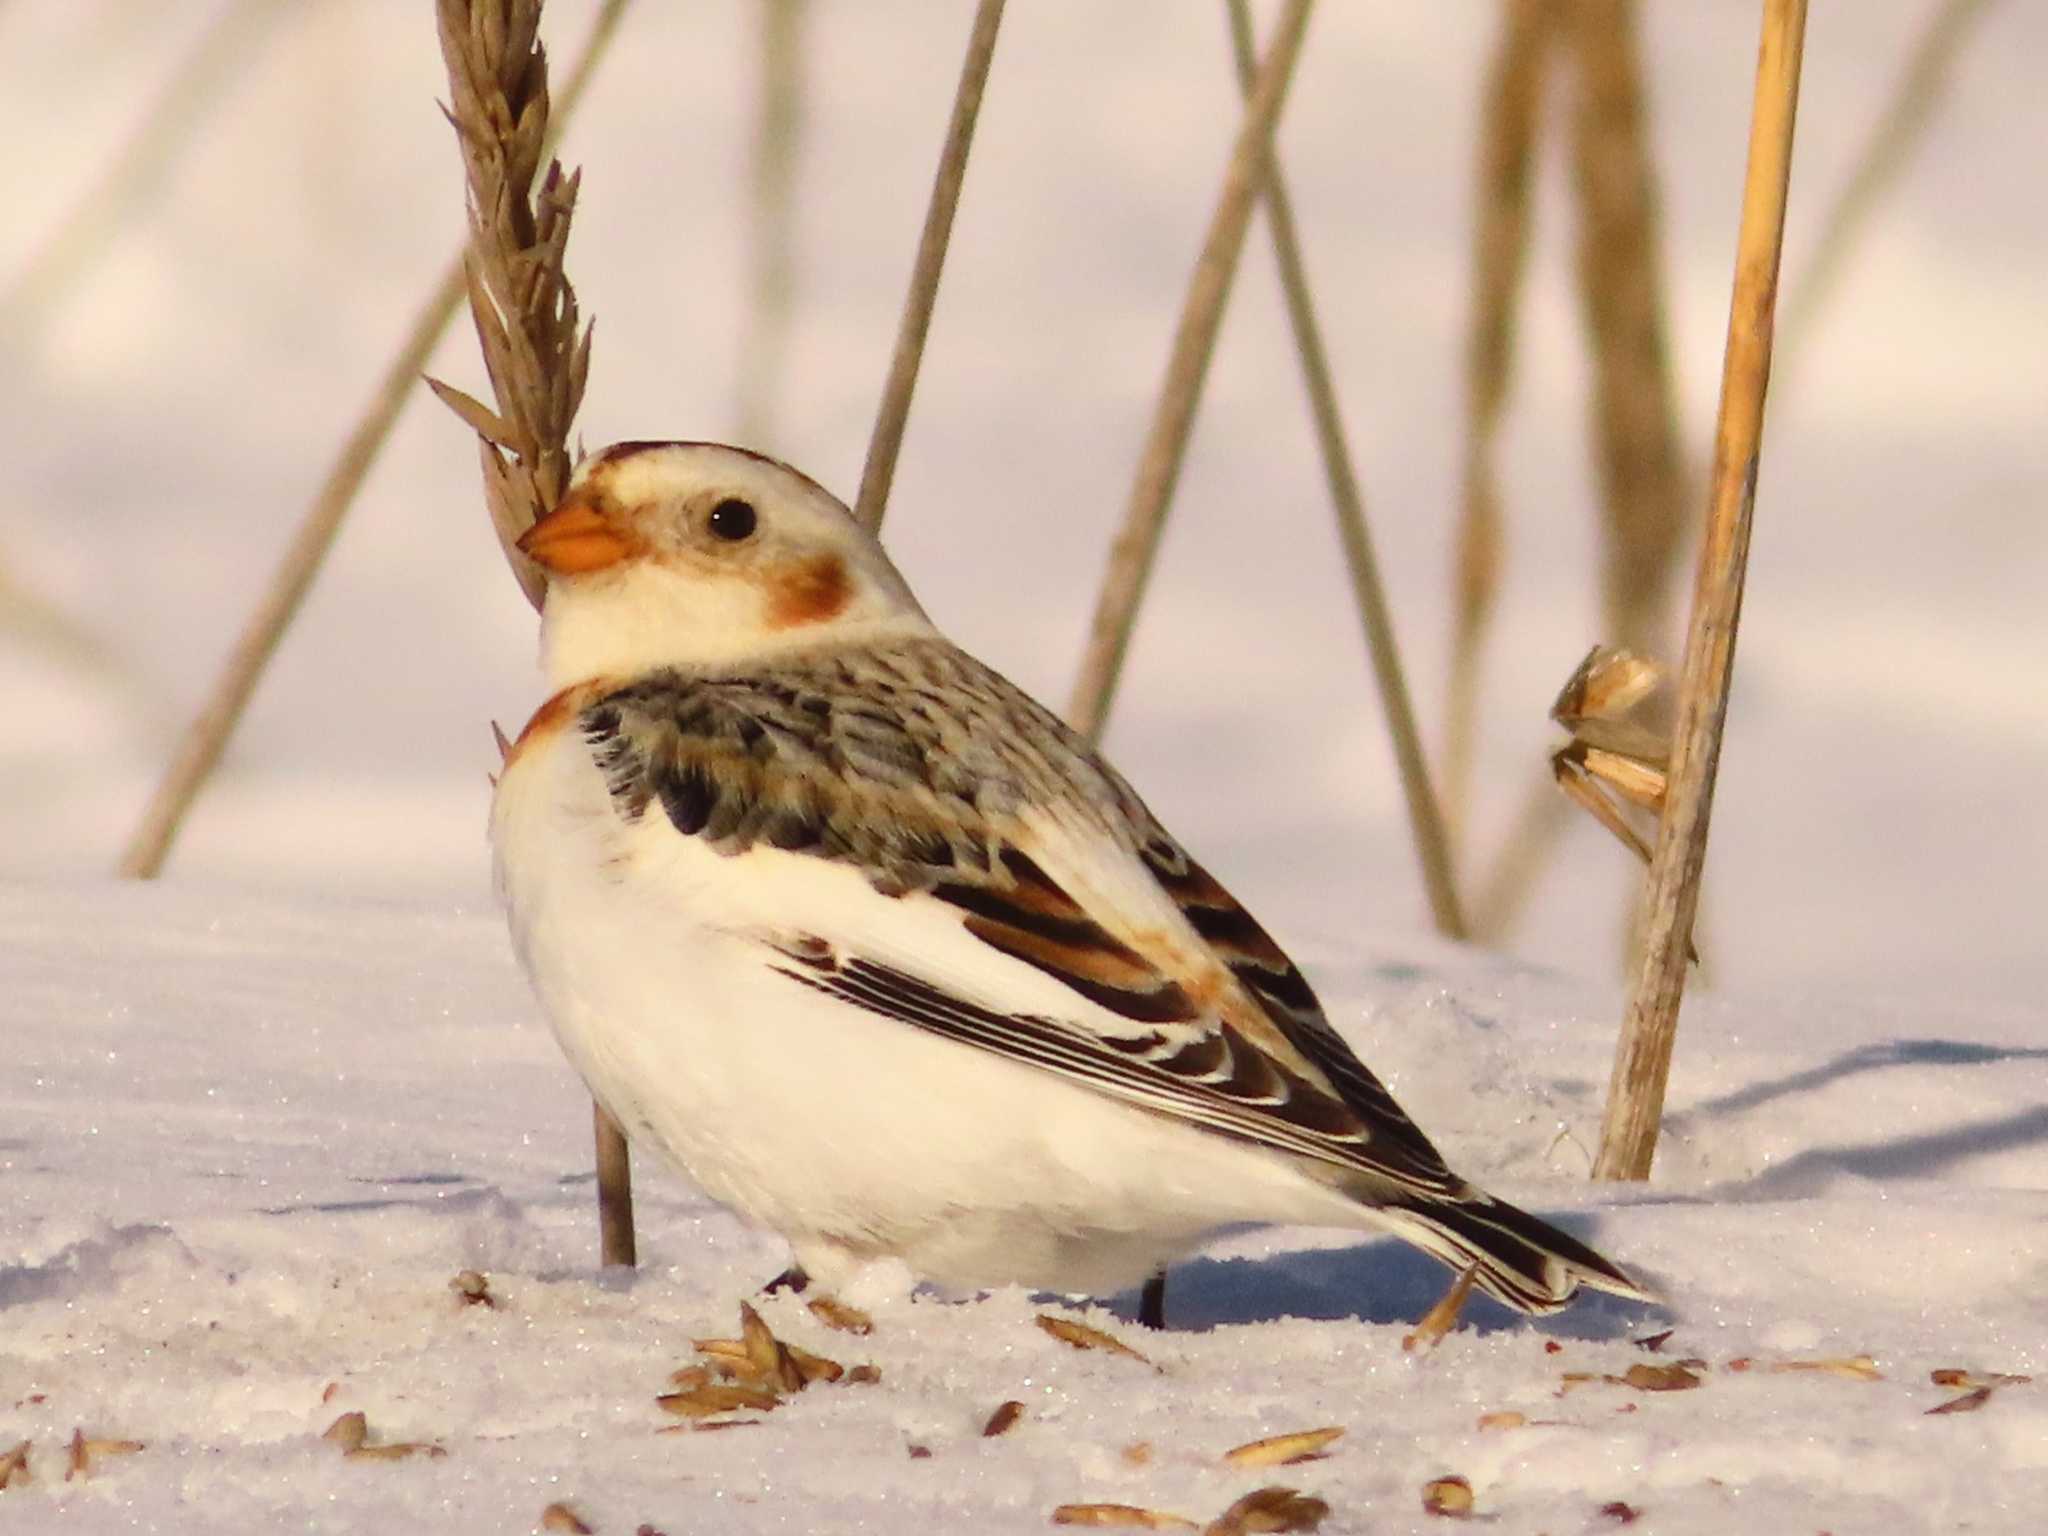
column 792, row 1280
column 1152, row 1302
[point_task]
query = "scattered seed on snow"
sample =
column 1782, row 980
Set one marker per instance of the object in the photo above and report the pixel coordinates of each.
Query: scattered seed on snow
column 1269, row 1509
column 1121, row 1516
column 836, row 1314
column 1450, row 1497
column 1443, row 1317
column 1969, row 1402
column 1284, row 1450
column 348, row 1431
column 1081, row 1336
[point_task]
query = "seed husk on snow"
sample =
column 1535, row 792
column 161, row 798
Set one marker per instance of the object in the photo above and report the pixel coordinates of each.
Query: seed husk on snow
column 397, row 1450
column 1506, row 1418
column 1443, row 1317
column 1620, row 1513
column 1644, row 1378
column 1967, row 1381
column 352, row 1432
column 1121, row 1516
column 734, row 1350
column 1269, row 1509
column 1969, row 1402
column 473, row 1287
column 716, row 1397
column 84, row 1449
column 14, row 1466
column 1081, row 1336
column 348, row 1431
column 751, row 1373
column 1659, row 1378
column 837, row 1315
column 815, row 1367
column 1003, row 1419
column 560, row 1517
column 1284, row 1450
column 767, row 1354
column 1447, row 1496
column 1854, row 1367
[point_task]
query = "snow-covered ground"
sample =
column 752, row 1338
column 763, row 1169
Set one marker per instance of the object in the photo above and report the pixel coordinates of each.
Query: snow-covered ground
column 252, row 1122
column 247, row 1144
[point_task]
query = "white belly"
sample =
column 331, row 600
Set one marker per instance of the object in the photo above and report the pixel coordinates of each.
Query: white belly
column 854, row 1135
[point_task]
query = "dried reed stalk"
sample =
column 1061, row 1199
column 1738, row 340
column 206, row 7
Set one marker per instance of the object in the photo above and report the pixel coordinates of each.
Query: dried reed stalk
column 51, row 631
column 1535, row 833
column 1137, row 542
column 890, row 420
column 1635, row 405
column 1432, row 846
column 1635, row 423
column 1642, row 1063
column 1513, row 100
column 771, row 288
column 162, row 133
column 1922, row 87
column 207, row 734
column 536, row 350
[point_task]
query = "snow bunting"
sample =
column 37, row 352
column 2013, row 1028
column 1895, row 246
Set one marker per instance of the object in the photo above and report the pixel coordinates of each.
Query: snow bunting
column 883, row 956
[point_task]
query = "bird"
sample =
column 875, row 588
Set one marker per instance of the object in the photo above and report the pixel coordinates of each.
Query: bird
column 880, row 954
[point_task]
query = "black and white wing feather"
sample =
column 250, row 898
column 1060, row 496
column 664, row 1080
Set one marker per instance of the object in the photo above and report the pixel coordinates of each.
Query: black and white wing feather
column 945, row 785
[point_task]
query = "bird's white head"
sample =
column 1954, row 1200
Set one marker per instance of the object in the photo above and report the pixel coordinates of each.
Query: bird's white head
column 698, row 555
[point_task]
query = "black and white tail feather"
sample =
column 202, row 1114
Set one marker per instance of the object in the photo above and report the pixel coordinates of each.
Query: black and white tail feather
column 1522, row 1260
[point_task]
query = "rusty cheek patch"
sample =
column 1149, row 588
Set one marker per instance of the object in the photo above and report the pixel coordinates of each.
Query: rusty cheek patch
column 808, row 592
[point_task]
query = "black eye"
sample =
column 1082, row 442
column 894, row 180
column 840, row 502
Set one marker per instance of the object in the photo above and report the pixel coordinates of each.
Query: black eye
column 733, row 519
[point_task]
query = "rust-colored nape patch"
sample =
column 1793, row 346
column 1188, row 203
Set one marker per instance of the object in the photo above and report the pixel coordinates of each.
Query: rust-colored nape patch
column 808, row 592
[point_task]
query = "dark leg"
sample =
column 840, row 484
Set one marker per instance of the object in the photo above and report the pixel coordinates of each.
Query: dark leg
column 792, row 1279
column 1152, row 1301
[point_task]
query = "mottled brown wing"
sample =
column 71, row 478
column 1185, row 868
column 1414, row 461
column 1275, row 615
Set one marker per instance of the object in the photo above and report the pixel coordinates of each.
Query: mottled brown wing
column 1290, row 1004
column 878, row 774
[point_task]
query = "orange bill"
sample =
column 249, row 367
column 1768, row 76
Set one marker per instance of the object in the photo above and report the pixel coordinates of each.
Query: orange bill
column 576, row 538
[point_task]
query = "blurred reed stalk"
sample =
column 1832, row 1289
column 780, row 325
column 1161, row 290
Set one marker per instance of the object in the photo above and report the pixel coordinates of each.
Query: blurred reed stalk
column 1634, row 417
column 1136, row 546
column 1431, row 844
column 1511, row 113
column 1621, row 290
column 879, row 472
column 536, row 348
column 1923, row 85
column 207, row 734
column 1642, row 1062
column 778, row 131
column 82, row 237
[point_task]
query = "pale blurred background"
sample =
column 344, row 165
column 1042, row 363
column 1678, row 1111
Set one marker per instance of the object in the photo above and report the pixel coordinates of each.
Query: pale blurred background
column 1881, row 824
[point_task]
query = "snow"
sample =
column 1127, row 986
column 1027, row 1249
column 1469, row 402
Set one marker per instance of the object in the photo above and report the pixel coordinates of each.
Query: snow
column 252, row 1122
column 250, row 1140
